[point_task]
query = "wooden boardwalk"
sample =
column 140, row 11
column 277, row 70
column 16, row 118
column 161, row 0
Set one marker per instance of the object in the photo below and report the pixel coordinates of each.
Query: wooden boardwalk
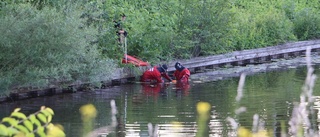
column 255, row 56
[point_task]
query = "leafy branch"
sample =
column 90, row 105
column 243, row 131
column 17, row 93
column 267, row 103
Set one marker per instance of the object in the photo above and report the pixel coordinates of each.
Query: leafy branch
column 38, row 123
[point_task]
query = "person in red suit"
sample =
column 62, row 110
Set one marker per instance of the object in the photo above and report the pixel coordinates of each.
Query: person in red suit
column 181, row 74
column 155, row 74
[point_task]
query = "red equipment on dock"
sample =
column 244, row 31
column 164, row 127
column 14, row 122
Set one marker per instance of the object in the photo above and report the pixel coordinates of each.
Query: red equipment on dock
column 135, row 61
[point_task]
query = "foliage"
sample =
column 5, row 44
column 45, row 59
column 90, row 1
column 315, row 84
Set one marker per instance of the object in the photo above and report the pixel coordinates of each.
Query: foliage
column 148, row 29
column 162, row 30
column 204, row 27
column 260, row 27
column 306, row 24
column 197, row 28
column 36, row 124
column 45, row 47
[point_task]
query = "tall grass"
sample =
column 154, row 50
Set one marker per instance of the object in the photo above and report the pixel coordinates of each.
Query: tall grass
column 299, row 124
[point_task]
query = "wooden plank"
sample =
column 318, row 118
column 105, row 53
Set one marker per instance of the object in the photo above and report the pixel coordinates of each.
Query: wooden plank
column 300, row 44
column 248, row 56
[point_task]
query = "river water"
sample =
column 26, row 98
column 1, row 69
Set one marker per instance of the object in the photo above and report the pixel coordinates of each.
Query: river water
column 171, row 108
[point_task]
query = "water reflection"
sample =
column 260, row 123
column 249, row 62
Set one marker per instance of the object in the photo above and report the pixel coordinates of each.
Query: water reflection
column 216, row 125
column 171, row 108
column 161, row 89
column 182, row 88
column 161, row 92
column 317, row 110
column 154, row 90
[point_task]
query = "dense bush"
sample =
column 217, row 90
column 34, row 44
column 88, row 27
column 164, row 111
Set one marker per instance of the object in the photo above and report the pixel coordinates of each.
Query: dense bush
column 203, row 29
column 306, row 24
column 43, row 47
column 261, row 26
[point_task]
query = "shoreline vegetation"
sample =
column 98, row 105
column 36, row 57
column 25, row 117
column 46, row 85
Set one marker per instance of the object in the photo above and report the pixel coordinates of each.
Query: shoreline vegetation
column 51, row 43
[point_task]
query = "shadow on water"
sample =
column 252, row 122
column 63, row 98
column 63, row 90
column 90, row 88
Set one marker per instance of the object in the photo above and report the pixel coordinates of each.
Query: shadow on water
column 172, row 107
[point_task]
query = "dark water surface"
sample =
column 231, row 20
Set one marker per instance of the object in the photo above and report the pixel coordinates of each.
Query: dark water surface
column 173, row 108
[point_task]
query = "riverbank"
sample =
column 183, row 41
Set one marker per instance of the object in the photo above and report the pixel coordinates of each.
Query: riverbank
column 207, row 75
column 204, row 69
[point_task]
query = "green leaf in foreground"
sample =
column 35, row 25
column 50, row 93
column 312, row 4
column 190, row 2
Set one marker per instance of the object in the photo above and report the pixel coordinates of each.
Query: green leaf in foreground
column 28, row 125
column 11, row 121
column 18, row 115
column 42, row 117
column 3, row 130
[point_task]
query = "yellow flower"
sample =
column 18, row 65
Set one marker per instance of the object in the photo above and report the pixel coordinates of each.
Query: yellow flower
column 261, row 133
column 203, row 108
column 243, row 132
column 88, row 112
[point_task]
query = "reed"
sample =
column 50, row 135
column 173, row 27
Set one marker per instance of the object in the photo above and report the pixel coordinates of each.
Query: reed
column 299, row 124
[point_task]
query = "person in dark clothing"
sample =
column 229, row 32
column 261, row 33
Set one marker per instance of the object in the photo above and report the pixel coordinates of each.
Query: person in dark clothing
column 120, row 32
column 117, row 24
column 155, row 74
